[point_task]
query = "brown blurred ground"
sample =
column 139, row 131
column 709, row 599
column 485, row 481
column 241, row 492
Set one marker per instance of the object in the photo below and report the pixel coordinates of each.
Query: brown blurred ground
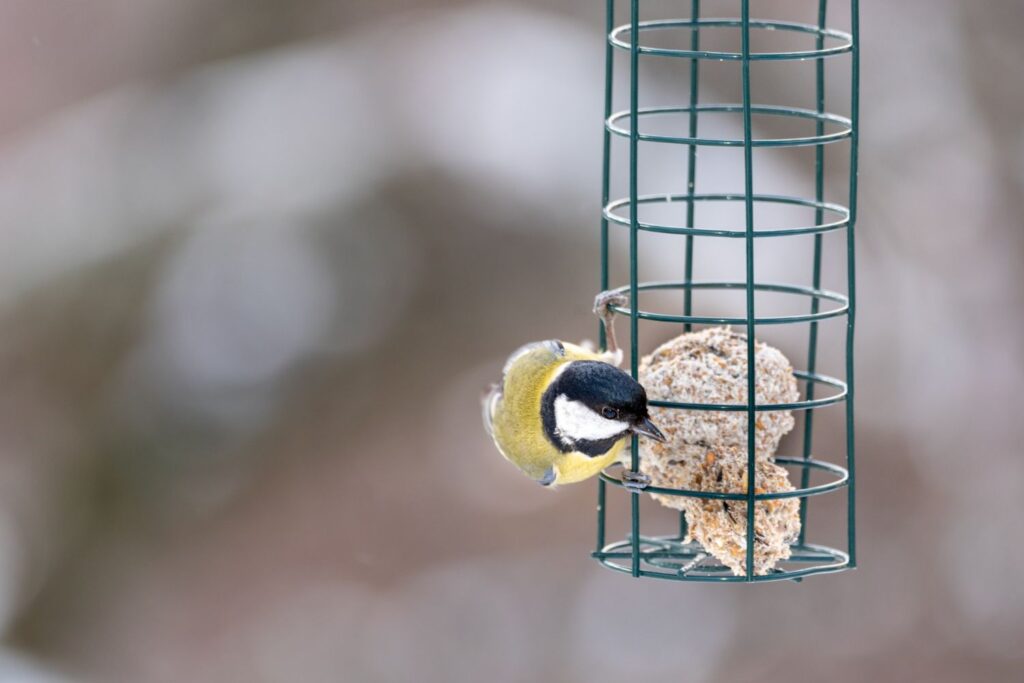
column 259, row 259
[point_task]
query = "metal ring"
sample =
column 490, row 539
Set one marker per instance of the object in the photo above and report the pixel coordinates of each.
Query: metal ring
column 841, row 474
column 841, row 212
column 845, row 45
column 823, row 560
column 817, row 294
column 843, row 133
column 806, row 404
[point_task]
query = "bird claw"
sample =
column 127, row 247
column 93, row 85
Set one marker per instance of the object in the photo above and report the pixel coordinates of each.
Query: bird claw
column 604, row 301
column 603, row 304
column 635, row 482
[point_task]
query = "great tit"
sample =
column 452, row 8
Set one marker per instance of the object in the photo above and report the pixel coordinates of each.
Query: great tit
column 562, row 412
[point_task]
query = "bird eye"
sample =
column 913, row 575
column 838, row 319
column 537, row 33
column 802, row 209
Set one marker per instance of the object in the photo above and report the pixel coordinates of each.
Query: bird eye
column 609, row 413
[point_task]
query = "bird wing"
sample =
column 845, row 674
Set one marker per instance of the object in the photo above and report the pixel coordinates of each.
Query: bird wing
column 493, row 396
column 552, row 345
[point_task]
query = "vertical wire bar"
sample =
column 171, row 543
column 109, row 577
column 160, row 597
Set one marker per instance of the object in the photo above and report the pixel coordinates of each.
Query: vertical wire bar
column 634, row 96
column 851, row 275
column 609, row 64
column 748, row 181
column 691, row 187
column 691, row 171
column 819, row 195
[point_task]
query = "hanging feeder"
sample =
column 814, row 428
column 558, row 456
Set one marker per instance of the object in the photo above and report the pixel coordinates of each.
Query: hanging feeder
column 677, row 556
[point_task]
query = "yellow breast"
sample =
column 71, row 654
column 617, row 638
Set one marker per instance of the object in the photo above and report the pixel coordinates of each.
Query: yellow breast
column 574, row 467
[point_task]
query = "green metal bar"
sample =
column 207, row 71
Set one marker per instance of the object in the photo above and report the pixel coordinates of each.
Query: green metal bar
column 691, row 188
column 606, row 168
column 748, row 185
column 841, row 479
column 672, row 549
column 842, row 124
column 844, row 40
column 609, row 66
column 819, row 216
column 839, row 211
column 765, row 287
column 691, row 169
column 768, row 407
column 851, row 268
column 835, row 560
column 634, row 359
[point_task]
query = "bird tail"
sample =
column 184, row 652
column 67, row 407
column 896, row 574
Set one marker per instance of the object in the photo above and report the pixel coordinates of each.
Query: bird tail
column 489, row 403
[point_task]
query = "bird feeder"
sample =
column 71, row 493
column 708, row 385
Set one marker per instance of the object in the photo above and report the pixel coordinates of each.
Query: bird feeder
column 674, row 556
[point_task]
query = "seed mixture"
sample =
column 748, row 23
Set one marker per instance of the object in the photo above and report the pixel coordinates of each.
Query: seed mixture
column 707, row 450
column 721, row 525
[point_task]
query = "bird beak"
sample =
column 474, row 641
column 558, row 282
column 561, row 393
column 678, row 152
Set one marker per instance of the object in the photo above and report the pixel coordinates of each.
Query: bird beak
column 646, row 428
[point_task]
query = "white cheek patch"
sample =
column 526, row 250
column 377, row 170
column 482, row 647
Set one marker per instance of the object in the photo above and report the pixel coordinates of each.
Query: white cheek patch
column 576, row 422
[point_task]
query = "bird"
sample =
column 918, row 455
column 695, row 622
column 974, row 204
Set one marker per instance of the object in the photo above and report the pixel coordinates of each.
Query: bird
column 562, row 412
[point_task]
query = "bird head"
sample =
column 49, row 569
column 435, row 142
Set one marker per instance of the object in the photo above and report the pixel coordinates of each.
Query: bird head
column 590, row 405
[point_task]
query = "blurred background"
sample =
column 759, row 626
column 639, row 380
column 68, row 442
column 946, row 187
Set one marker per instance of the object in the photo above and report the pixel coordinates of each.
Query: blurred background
column 260, row 258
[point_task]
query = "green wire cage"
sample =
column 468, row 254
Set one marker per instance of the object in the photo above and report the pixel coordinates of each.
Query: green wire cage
column 673, row 556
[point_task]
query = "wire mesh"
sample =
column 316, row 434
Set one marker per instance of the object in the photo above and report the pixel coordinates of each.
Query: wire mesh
column 672, row 557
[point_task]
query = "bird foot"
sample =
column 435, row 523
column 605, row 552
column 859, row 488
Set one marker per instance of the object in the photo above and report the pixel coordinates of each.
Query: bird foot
column 603, row 308
column 604, row 301
column 635, row 482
